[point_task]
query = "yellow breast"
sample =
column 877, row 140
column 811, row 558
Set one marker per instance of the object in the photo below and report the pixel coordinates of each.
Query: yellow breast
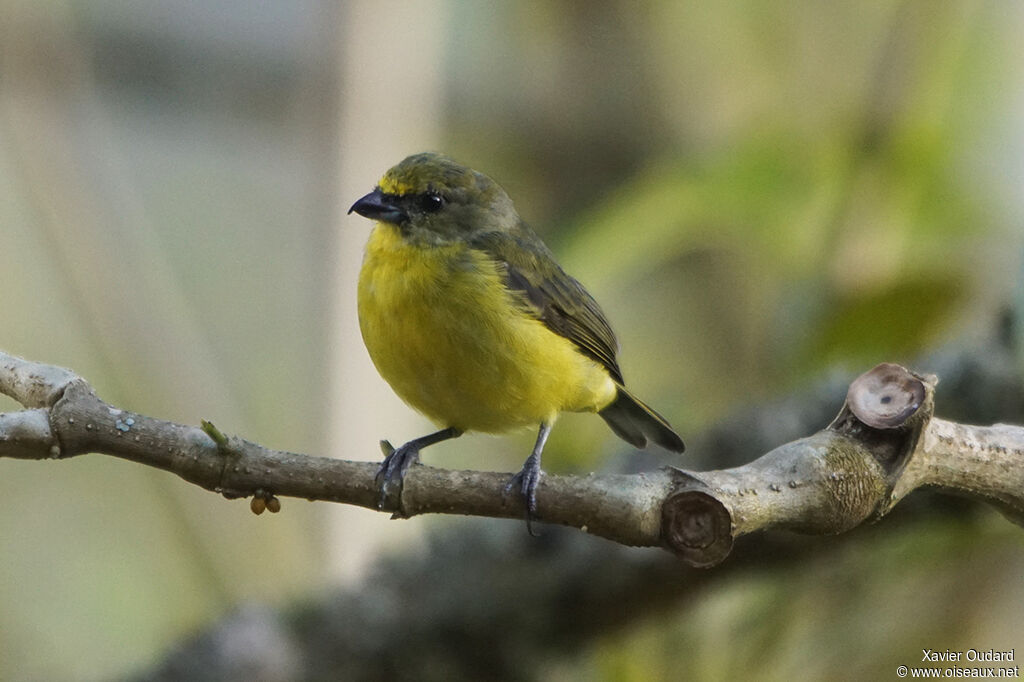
column 444, row 331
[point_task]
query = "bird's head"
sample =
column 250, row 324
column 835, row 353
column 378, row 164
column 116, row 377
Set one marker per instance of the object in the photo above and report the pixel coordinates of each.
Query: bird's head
column 431, row 198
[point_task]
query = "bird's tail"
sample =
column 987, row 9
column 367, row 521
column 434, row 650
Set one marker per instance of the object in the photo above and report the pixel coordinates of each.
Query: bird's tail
column 636, row 423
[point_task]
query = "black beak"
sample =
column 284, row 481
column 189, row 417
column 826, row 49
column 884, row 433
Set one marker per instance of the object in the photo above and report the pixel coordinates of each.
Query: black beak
column 378, row 206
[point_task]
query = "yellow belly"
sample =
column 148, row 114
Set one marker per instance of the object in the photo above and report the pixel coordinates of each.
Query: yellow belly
column 442, row 329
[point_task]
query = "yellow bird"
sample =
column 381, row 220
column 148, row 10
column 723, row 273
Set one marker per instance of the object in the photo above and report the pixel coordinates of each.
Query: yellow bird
column 469, row 318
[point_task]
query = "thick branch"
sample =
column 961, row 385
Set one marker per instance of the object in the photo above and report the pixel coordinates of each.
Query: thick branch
column 981, row 461
column 883, row 444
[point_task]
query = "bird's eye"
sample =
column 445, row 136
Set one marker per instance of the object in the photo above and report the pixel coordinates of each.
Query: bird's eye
column 432, row 202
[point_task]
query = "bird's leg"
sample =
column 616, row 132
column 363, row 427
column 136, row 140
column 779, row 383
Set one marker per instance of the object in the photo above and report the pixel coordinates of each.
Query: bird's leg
column 395, row 464
column 528, row 478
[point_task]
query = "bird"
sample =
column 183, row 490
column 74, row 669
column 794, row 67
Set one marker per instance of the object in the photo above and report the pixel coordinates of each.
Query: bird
column 468, row 316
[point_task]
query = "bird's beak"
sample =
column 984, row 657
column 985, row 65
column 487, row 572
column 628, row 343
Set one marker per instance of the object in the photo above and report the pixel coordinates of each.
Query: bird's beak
column 377, row 206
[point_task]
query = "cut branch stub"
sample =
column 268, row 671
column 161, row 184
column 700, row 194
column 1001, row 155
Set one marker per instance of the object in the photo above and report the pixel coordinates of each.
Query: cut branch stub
column 823, row 484
column 886, row 410
column 696, row 525
column 887, row 396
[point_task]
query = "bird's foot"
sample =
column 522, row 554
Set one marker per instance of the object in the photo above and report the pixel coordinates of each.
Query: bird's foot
column 526, row 481
column 391, row 473
column 397, row 462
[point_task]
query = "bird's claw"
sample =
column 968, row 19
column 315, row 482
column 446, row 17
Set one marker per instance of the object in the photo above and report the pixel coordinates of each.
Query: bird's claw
column 392, row 470
column 397, row 462
column 526, row 481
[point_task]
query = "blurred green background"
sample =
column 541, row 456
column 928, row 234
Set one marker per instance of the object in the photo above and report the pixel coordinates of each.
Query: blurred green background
column 758, row 193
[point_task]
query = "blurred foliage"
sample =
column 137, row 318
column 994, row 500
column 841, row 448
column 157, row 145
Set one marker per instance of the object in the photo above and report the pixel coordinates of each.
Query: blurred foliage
column 886, row 596
column 756, row 192
column 771, row 190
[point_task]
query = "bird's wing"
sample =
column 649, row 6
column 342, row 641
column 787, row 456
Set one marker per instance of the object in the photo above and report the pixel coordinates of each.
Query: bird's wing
column 552, row 296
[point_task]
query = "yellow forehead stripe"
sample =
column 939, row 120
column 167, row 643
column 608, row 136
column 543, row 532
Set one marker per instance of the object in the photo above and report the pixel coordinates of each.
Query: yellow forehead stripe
column 390, row 184
column 421, row 172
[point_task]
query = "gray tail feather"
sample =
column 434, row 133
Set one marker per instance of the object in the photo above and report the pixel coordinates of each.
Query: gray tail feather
column 636, row 423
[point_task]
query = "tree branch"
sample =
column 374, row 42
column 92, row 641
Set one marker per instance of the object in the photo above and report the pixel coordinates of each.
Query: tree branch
column 884, row 444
